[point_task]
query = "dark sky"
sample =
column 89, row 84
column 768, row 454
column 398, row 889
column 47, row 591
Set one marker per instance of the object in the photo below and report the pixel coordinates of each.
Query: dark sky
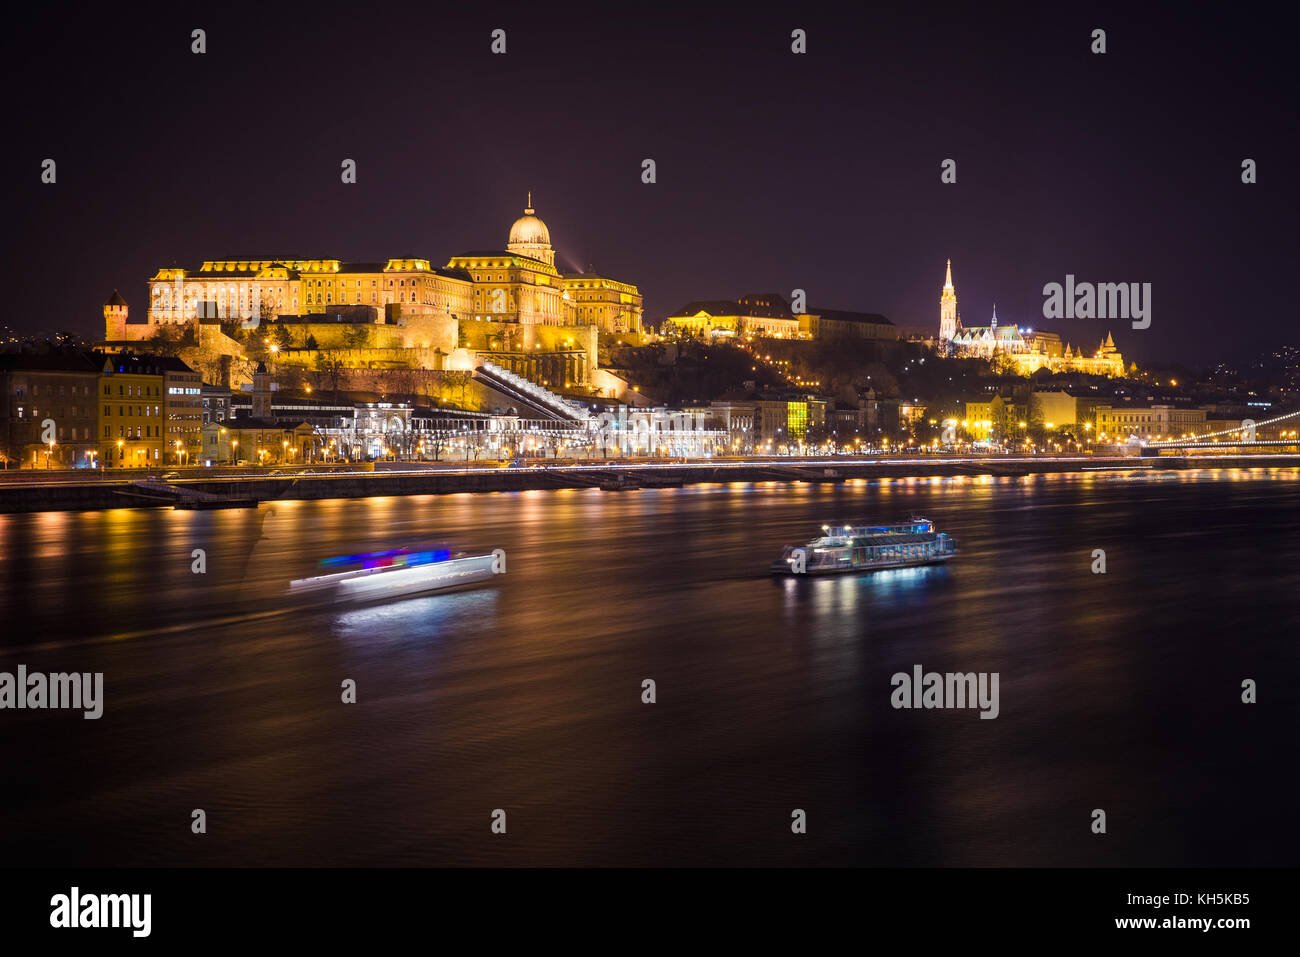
column 775, row 171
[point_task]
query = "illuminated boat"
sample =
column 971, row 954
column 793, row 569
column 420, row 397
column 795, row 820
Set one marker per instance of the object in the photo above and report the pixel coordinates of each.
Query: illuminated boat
column 858, row 548
column 384, row 576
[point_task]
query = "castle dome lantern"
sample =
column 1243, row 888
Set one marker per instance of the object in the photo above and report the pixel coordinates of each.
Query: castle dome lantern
column 530, row 237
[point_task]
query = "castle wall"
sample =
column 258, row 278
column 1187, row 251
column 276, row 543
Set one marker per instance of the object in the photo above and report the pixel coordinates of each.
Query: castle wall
column 484, row 336
column 454, row 389
column 423, row 327
column 395, row 357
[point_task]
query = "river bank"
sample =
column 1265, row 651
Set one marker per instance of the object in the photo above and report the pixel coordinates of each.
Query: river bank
column 106, row 492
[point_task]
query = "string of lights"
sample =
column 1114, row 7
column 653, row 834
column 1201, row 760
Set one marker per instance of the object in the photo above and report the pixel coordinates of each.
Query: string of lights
column 1237, row 431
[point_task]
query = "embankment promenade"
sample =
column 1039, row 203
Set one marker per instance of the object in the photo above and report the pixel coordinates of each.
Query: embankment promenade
column 206, row 488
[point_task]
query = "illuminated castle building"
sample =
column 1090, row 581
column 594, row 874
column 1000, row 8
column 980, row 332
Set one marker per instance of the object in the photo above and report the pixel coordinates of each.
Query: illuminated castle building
column 1027, row 350
column 519, row 284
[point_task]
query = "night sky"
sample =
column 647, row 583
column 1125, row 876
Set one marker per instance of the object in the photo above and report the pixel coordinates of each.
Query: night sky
column 775, row 171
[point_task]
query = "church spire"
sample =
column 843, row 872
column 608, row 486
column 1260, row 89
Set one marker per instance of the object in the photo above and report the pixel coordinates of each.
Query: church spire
column 948, row 322
column 528, row 210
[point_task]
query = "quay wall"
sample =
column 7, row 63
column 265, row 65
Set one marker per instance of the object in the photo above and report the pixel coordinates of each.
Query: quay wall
column 408, row 479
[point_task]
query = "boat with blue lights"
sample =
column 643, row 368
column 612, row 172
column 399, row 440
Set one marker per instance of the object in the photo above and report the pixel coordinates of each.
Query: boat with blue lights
column 399, row 573
column 859, row 548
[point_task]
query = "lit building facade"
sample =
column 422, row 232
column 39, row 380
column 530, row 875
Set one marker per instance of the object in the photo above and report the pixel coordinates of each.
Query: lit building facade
column 752, row 420
column 59, row 387
column 183, row 410
column 1024, row 349
column 1149, row 423
column 132, row 422
column 992, row 419
column 1060, row 408
column 845, row 324
column 755, row 314
column 520, row 283
column 768, row 315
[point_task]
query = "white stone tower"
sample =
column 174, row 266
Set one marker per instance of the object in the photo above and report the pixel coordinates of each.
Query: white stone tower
column 948, row 308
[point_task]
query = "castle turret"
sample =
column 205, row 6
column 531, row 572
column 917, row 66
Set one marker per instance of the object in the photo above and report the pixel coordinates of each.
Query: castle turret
column 115, row 310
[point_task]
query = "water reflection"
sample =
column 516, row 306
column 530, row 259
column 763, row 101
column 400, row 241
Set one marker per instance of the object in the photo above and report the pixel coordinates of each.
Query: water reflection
column 429, row 618
column 773, row 694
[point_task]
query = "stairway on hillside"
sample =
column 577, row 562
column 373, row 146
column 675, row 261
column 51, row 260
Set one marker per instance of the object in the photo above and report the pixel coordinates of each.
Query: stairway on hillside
column 536, row 394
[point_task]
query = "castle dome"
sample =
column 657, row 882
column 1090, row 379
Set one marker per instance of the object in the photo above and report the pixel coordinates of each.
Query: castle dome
column 530, row 237
column 528, row 229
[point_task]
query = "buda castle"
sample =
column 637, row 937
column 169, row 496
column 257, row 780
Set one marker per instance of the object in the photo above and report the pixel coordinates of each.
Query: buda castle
column 513, row 307
column 520, row 284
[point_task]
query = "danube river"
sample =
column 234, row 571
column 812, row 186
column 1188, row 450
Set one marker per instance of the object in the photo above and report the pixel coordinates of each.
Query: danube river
column 1118, row 691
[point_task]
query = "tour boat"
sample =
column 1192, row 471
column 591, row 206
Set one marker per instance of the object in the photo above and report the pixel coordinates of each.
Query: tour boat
column 382, row 576
column 856, row 548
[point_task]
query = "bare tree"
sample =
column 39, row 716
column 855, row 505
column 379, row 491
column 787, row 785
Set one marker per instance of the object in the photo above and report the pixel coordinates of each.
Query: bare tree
column 331, row 366
column 165, row 341
column 357, row 336
column 455, row 383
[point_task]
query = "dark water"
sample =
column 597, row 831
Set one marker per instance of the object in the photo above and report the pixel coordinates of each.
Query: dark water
column 1118, row 691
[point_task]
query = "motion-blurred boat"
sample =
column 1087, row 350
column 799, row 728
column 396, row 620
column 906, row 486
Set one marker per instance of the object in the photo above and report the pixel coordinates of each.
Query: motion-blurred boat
column 856, row 548
column 401, row 573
